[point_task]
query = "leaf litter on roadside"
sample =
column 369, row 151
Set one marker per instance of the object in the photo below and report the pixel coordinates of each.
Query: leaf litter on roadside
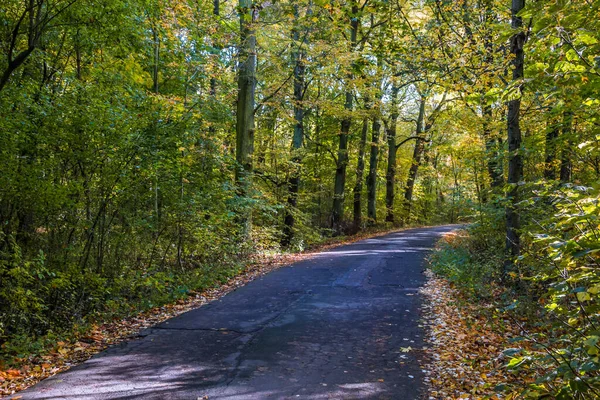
column 66, row 354
column 464, row 356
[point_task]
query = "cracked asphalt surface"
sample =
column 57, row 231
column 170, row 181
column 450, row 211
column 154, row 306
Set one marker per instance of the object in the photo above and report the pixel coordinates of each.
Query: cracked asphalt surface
column 331, row 327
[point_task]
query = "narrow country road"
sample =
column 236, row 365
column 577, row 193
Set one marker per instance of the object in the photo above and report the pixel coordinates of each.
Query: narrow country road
column 331, row 327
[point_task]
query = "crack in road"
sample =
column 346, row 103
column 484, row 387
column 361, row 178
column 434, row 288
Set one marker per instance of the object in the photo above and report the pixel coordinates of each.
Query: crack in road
column 329, row 327
column 234, row 373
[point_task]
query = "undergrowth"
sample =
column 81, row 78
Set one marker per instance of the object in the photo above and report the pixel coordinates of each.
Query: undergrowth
column 551, row 294
column 66, row 306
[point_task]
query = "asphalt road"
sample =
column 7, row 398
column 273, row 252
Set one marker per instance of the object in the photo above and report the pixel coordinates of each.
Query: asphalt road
column 331, row 327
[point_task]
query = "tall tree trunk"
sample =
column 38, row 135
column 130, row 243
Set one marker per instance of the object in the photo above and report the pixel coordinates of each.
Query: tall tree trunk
column 372, row 177
column 245, row 106
column 342, row 157
column 390, row 176
column 360, row 168
column 213, row 80
column 155, row 88
column 515, row 161
column 416, row 159
column 298, row 138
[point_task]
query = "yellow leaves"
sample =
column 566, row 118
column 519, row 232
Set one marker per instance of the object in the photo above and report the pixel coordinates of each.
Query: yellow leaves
column 583, row 296
column 594, row 289
column 466, row 348
column 62, row 351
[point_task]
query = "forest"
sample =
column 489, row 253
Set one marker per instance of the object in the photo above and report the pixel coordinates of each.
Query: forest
column 150, row 148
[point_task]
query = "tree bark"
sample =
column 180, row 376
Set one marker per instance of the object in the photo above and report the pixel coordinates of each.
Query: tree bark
column 416, row 159
column 298, row 138
column 337, row 214
column 360, row 168
column 213, row 80
column 515, row 161
column 390, row 176
column 372, row 176
column 245, row 105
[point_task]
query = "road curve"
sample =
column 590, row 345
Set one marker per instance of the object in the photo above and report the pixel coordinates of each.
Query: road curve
column 331, row 327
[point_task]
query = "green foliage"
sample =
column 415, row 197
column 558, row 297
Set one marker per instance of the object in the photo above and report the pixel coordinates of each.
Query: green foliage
column 561, row 262
column 472, row 259
column 555, row 288
column 117, row 164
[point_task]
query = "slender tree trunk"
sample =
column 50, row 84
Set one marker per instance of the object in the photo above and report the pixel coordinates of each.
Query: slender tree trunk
column 340, row 172
column 213, row 80
column 317, row 175
column 372, row 177
column 427, row 184
column 156, row 42
column 78, row 56
column 390, row 176
column 416, row 160
column 492, row 151
column 298, row 138
column 566, row 165
column 550, row 162
column 155, row 88
column 515, row 161
column 342, row 158
column 491, row 148
column 245, row 106
column 360, row 168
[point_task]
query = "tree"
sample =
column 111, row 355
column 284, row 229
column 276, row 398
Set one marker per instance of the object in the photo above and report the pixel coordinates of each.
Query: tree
column 244, row 149
column 337, row 214
column 390, row 177
column 515, row 161
column 298, row 56
column 360, row 169
column 32, row 21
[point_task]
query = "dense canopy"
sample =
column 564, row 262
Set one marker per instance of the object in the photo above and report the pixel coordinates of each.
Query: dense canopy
column 148, row 147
